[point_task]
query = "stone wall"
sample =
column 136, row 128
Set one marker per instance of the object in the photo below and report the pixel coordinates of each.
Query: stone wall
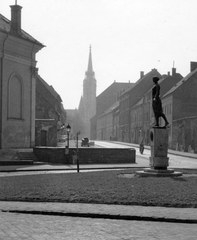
column 86, row 155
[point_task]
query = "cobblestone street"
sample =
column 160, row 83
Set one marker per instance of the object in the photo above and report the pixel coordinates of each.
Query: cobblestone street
column 40, row 227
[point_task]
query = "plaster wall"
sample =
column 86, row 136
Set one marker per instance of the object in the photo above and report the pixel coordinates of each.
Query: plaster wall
column 16, row 132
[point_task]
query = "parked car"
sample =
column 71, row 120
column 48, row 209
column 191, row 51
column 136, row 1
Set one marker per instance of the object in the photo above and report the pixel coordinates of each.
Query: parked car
column 85, row 142
column 63, row 138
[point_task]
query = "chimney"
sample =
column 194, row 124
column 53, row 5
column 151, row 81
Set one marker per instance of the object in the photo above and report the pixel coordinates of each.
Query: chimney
column 16, row 19
column 168, row 73
column 141, row 74
column 173, row 72
column 193, row 66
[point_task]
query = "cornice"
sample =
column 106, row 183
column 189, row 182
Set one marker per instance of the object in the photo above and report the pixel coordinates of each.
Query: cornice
column 17, row 59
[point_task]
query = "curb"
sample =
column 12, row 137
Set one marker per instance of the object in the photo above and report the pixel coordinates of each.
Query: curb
column 105, row 216
column 69, row 169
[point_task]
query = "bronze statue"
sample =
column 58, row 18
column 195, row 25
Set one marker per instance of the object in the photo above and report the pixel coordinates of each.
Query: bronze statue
column 156, row 103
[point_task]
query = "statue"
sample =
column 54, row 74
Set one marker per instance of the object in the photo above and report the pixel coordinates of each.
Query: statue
column 156, row 103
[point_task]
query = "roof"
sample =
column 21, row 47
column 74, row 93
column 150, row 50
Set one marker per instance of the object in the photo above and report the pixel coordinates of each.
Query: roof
column 166, row 82
column 114, row 106
column 153, row 71
column 139, row 103
column 50, row 88
column 123, row 85
column 181, row 82
column 167, row 78
column 5, row 26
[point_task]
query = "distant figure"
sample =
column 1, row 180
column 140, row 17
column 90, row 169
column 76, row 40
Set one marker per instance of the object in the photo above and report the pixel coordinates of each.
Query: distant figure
column 156, row 103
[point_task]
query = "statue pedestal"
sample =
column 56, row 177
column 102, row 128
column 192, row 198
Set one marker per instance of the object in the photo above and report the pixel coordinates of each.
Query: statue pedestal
column 159, row 148
column 158, row 159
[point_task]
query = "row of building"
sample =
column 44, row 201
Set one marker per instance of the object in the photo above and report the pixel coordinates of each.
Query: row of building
column 31, row 111
column 124, row 110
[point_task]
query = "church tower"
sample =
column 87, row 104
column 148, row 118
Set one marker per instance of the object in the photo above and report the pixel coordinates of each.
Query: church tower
column 88, row 101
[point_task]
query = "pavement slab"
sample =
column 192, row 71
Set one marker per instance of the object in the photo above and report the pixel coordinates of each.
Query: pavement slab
column 185, row 215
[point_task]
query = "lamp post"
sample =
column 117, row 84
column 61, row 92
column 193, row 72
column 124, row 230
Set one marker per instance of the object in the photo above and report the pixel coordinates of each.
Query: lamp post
column 68, row 128
column 78, row 133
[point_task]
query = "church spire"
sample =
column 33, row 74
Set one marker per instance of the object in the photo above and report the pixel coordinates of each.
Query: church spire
column 90, row 69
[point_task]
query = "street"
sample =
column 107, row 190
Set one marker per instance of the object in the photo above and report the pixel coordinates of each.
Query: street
column 40, row 227
column 175, row 161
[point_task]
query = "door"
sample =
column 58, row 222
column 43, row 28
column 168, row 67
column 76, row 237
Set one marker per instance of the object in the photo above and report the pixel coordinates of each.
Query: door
column 43, row 138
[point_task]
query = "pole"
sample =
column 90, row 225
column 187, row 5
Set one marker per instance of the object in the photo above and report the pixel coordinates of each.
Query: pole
column 77, row 153
column 68, row 141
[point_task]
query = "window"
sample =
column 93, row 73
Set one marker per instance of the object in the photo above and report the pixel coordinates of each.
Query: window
column 15, row 98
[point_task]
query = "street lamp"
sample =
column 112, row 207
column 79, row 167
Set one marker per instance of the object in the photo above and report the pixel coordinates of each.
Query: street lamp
column 78, row 133
column 68, row 128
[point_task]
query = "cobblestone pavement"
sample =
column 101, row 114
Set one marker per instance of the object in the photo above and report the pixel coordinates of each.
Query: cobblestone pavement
column 39, row 227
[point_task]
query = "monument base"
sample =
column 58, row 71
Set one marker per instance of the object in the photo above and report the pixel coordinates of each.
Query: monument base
column 159, row 162
column 150, row 172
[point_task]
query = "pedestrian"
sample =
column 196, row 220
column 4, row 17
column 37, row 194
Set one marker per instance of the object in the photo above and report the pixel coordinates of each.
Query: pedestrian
column 157, row 104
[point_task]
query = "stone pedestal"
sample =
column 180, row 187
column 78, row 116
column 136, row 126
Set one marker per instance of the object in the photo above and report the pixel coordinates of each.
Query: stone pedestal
column 159, row 148
column 159, row 160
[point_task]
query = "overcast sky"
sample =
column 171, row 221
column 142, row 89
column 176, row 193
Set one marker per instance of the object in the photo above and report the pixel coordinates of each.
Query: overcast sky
column 127, row 36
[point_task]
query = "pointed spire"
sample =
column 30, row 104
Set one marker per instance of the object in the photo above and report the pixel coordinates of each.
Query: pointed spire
column 90, row 69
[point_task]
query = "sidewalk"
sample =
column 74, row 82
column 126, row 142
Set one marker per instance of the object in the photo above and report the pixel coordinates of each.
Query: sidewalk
column 124, row 212
column 73, row 167
column 174, row 152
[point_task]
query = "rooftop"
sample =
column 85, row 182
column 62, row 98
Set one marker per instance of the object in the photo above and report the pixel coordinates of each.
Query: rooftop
column 5, row 26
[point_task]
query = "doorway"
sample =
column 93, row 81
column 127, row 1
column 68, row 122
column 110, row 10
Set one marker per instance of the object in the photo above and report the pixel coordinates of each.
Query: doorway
column 43, row 138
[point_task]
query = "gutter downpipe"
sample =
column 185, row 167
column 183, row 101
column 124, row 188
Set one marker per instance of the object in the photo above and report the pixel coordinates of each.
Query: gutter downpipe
column 1, row 87
column 32, row 110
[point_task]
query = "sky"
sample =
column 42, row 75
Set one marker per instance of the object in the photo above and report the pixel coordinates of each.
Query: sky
column 126, row 36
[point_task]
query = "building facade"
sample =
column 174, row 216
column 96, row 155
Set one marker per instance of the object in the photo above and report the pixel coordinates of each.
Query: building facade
column 49, row 114
column 18, row 84
column 131, row 97
column 107, row 124
column 180, row 105
column 141, row 114
column 105, row 100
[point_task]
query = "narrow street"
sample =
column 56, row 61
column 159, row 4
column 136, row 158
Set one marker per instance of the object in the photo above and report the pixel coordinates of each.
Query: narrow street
column 175, row 161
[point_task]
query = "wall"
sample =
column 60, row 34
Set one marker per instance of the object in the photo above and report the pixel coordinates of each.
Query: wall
column 185, row 135
column 17, row 91
column 50, row 128
column 16, row 130
column 86, row 155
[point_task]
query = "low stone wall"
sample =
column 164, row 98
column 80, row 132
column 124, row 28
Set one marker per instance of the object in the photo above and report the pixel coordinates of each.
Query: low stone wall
column 86, row 155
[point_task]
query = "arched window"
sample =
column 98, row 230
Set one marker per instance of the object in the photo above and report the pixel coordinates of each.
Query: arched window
column 15, row 98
